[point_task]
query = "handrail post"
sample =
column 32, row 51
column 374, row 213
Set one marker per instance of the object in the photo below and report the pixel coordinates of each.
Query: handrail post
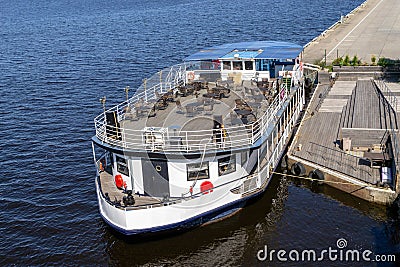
column 187, row 141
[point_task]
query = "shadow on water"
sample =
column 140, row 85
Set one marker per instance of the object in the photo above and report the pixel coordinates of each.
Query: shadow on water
column 223, row 243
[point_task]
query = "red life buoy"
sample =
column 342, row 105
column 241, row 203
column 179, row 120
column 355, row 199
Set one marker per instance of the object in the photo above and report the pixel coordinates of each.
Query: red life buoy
column 206, row 187
column 119, row 182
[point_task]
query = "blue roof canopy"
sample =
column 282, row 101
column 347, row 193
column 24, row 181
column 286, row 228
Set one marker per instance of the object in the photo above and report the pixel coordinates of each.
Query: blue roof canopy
column 257, row 49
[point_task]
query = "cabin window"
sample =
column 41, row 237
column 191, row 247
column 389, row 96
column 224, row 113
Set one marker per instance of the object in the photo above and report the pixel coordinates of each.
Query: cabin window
column 197, row 171
column 227, row 165
column 243, row 157
column 237, row 65
column 122, row 166
column 227, row 65
column 248, row 65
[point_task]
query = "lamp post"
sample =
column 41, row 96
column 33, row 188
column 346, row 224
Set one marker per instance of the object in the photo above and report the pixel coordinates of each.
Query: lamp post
column 144, row 86
column 127, row 93
column 103, row 102
column 161, row 87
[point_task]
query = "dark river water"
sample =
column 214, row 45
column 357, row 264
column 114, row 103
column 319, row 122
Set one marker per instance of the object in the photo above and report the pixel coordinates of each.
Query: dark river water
column 58, row 57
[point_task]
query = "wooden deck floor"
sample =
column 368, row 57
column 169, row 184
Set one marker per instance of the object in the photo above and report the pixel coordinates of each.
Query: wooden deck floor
column 115, row 194
column 347, row 105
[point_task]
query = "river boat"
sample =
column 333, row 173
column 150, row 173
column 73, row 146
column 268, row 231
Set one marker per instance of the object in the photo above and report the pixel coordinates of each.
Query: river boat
column 198, row 140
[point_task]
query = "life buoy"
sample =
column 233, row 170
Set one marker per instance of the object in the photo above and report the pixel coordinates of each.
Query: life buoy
column 298, row 169
column 206, row 187
column 119, row 182
column 190, row 75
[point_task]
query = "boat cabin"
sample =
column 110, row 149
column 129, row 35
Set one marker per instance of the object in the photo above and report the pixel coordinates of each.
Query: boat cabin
column 255, row 61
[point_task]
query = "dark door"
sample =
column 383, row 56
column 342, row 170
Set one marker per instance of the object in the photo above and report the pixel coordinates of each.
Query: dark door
column 155, row 177
column 112, row 125
column 272, row 69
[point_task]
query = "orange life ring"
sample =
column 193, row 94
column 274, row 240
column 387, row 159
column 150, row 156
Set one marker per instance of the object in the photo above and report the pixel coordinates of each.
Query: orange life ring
column 206, row 187
column 190, row 75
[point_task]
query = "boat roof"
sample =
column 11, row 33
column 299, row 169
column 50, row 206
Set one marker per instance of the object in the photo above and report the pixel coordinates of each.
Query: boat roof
column 250, row 50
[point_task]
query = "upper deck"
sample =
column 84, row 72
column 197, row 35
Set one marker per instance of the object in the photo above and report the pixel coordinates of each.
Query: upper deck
column 196, row 106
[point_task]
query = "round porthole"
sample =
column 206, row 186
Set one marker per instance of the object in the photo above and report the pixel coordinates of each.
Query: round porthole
column 158, row 168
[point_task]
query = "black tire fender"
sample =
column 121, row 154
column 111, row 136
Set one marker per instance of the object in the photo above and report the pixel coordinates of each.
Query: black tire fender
column 298, row 169
column 317, row 175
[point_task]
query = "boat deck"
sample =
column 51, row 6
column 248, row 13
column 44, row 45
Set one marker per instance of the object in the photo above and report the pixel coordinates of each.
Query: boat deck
column 352, row 109
column 116, row 195
column 213, row 115
column 196, row 111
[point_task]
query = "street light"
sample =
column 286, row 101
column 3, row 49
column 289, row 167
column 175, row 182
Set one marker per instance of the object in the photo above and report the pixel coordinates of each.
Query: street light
column 127, row 93
column 103, row 102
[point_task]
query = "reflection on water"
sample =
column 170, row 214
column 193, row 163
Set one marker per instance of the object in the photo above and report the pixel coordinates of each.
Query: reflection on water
column 287, row 217
column 227, row 242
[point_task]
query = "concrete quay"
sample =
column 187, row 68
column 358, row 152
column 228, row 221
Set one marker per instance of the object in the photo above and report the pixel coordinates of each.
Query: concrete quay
column 371, row 29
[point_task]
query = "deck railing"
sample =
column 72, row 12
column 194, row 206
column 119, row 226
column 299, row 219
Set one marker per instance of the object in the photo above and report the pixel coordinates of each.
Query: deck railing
column 166, row 139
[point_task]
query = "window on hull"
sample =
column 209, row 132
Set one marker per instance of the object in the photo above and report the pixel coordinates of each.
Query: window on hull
column 197, row 171
column 227, row 165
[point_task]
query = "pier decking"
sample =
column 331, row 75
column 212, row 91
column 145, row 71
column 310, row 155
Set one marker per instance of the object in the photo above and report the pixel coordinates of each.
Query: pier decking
column 350, row 129
column 352, row 109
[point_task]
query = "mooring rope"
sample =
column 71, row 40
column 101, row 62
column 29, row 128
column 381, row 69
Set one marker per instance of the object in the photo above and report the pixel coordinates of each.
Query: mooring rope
column 318, row 180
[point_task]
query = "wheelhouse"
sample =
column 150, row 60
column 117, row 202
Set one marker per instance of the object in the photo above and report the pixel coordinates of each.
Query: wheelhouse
column 251, row 60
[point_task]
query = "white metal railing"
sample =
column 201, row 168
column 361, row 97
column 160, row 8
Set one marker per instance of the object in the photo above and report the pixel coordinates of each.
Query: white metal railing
column 164, row 139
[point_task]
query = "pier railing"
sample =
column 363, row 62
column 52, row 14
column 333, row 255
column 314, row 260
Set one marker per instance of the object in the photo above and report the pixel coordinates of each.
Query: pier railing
column 167, row 139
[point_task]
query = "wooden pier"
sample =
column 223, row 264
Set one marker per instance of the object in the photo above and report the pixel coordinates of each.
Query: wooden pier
column 349, row 133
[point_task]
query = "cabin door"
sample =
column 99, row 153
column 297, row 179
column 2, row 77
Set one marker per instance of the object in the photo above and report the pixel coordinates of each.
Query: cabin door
column 272, row 69
column 155, row 177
